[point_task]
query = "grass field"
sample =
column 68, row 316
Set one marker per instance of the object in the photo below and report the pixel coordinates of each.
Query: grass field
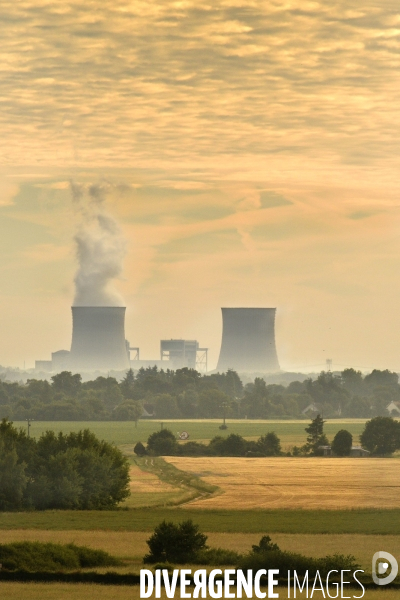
column 149, row 490
column 122, row 433
column 369, row 522
column 293, row 483
column 62, row 591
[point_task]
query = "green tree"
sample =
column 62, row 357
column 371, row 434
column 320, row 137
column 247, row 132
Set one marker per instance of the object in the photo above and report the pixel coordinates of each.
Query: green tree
column 139, row 449
column 269, row 444
column 162, row 443
column 12, row 477
column 67, row 383
column 175, row 543
column 210, row 403
column 342, row 443
column 381, row 436
column 316, row 436
column 165, row 406
column 127, row 385
column 130, row 410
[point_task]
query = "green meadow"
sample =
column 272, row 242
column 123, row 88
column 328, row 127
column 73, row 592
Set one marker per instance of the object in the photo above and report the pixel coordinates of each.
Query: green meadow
column 124, row 433
column 382, row 522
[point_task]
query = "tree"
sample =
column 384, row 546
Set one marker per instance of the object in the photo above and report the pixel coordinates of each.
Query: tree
column 75, row 471
column 342, row 443
column 269, row 444
column 12, row 478
column 210, row 403
column 165, row 406
column 316, row 436
column 66, row 383
column 175, row 543
column 127, row 385
column 130, row 410
column 139, row 449
column 162, row 443
column 381, row 435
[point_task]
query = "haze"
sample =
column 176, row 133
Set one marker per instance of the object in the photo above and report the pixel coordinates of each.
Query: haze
column 250, row 155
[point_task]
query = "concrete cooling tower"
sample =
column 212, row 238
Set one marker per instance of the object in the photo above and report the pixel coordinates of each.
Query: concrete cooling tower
column 98, row 338
column 248, row 340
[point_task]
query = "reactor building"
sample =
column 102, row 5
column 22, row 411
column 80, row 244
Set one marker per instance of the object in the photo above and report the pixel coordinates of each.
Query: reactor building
column 248, row 340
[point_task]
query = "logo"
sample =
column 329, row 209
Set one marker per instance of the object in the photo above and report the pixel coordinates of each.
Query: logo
column 386, row 560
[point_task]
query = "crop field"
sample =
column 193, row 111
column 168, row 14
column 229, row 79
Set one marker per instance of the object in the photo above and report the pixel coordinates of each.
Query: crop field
column 124, row 433
column 296, row 483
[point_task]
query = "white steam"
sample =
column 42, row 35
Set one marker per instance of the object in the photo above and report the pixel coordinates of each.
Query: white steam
column 100, row 248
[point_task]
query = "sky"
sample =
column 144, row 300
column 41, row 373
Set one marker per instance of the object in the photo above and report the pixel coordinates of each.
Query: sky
column 247, row 153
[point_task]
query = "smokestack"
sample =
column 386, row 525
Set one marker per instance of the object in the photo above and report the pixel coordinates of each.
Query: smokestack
column 248, row 340
column 98, row 338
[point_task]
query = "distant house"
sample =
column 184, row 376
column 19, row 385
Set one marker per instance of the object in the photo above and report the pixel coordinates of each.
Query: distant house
column 355, row 451
column 393, row 408
column 311, row 408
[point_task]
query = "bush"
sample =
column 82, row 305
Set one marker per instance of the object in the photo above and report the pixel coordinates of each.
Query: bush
column 162, row 443
column 175, row 543
column 267, row 555
column 37, row 556
column 139, row 449
column 217, row 557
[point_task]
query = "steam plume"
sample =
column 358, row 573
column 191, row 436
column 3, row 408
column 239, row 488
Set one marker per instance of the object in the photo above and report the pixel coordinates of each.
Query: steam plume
column 100, row 248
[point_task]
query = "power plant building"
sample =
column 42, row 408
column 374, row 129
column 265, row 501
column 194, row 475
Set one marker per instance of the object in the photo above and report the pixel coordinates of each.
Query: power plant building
column 248, row 340
column 98, row 338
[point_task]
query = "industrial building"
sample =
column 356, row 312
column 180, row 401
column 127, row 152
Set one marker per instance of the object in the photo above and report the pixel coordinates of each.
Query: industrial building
column 248, row 340
column 99, row 344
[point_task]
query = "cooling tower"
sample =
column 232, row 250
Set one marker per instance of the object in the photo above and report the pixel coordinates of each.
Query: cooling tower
column 248, row 340
column 98, row 338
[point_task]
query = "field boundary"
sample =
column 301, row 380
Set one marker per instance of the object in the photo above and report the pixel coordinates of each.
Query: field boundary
column 193, row 484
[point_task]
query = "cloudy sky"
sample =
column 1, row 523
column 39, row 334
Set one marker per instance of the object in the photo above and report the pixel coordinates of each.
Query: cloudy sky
column 249, row 151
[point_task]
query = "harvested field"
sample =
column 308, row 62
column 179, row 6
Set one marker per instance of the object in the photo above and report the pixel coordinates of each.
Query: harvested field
column 296, row 483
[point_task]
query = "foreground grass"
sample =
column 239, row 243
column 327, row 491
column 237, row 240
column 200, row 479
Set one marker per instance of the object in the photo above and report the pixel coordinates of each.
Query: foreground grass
column 378, row 522
column 291, row 433
column 61, row 591
column 130, row 546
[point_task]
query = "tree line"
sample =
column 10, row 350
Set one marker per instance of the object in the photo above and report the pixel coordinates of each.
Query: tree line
column 64, row 471
column 185, row 393
column 381, row 437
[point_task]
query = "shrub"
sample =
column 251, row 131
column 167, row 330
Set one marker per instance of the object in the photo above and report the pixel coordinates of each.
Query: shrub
column 37, row 556
column 175, row 543
column 268, row 555
column 162, row 443
column 217, row 557
column 139, row 449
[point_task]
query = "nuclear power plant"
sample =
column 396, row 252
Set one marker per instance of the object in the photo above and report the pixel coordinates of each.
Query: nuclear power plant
column 98, row 338
column 248, row 340
column 99, row 344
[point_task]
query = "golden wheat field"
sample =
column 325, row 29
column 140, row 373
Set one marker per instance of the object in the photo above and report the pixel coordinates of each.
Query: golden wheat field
column 307, row 483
